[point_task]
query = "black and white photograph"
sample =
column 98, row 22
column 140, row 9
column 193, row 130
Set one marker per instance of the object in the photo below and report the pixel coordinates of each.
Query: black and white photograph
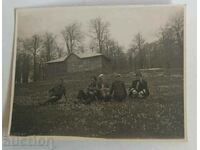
column 111, row 72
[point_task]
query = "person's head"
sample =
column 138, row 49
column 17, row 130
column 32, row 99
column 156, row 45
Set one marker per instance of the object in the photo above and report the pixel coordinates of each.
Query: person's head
column 118, row 77
column 61, row 81
column 138, row 75
column 101, row 77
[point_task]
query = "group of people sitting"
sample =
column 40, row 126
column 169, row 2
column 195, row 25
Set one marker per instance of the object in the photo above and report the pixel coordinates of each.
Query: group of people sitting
column 99, row 90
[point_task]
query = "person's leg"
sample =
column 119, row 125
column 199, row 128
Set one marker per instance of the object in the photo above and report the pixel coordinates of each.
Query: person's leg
column 81, row 96
column 100, row 96
column 55, row 99
column 89, row 98
column 93, row 96
column 147, row 93
column 51, row 100
column 130, row 92
column 96, row 96
column 107, row 98
column 117, row 98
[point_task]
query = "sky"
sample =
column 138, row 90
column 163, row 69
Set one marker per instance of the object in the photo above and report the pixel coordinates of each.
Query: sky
column 125, row 21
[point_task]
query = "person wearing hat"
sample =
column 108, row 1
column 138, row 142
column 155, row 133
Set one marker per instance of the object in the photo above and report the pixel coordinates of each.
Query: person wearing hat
column 103, row 89
column 118, row 89
column 139, row 87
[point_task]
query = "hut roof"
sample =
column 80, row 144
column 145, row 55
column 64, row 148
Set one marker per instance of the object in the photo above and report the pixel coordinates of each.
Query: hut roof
column 80, row 55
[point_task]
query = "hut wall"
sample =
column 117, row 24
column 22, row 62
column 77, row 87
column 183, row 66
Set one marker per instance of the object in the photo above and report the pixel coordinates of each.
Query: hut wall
column 106, row 65
column 76, row 64
column 59, row 68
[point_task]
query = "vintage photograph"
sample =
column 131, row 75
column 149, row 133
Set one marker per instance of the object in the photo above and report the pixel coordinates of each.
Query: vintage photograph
column 114, row 72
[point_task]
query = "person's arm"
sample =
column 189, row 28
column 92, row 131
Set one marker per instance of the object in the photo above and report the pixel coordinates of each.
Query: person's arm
column 111, row 89
column 98, row 86
column 131, row 86
column 146, row 85
column 124, row 87
column 64, row 93
column 89, row 87
column 146, row 88
column 51, row 91
column 134, row 84
column 106, row 85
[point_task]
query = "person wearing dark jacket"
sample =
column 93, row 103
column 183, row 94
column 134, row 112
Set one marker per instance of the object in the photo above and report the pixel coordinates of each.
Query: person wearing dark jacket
column 103, row 89
column 56, row 93
column 118, row 89
column 90, row 94
column 92, row 90
column 139, row 87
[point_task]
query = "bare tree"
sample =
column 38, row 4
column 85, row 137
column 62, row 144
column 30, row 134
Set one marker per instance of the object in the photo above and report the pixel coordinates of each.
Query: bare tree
column 132, row 58
column 166, row 41
column 49, row 45
column 138, row 44
column 23, row 60
column 177, row 26
column 109, row 44
column 46, row 53
column 60, row 51
column 19, row 61
column 73, row 36
column 99, row 31
column 115, row 53
column 35, row 43
column 92, row 46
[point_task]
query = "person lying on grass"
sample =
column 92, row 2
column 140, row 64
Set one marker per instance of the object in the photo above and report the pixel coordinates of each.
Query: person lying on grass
column 91, row 92
column 56, row 93
column 118, row 89
column 139, row 87
column 103, row 92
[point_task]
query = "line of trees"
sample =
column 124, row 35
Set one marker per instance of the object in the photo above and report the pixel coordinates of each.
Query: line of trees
column 167, row 51
column 32, row 53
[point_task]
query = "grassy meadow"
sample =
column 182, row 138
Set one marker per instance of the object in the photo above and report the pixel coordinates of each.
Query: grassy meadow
column 161, row 115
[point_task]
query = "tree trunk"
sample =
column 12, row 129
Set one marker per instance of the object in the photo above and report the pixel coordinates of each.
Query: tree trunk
column 34, row 66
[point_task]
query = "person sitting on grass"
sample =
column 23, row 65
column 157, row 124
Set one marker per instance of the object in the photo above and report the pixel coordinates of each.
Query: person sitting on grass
column 103, row 89
column 91, row 92
column 56, row 93
column 139, row 87
column 118, row 89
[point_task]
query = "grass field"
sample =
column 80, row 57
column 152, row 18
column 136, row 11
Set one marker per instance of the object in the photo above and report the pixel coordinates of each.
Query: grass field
column 161, row 115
